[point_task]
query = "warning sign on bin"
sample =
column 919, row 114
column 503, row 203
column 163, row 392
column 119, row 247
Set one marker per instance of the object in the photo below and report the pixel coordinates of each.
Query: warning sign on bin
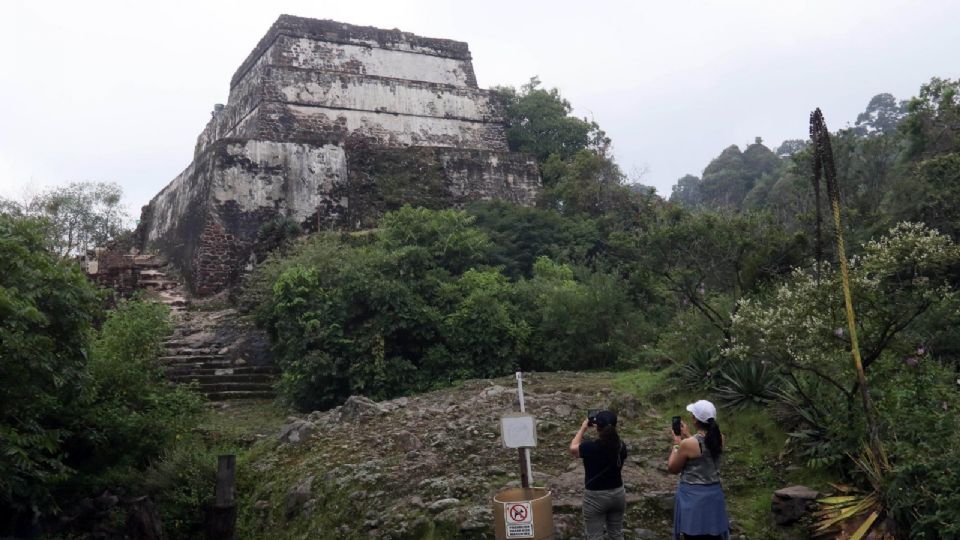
column 519, row 519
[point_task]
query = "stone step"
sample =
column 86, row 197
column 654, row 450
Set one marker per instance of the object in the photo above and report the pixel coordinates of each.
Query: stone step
column 144, row 265
column 236, row 387
column 159, row 285
column 193, row 357
column 176, row 341
column 212, row 364
column 265, row 378
column 224, row 396
column 187, row 369
column 212, row 349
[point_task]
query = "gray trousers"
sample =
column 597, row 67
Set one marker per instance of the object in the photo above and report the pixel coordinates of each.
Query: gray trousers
column 603, row 509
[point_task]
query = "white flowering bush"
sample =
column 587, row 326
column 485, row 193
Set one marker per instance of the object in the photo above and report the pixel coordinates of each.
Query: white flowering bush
column 905, row 298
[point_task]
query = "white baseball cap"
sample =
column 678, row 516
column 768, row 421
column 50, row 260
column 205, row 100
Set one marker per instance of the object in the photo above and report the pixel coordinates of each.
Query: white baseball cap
column 702, row 410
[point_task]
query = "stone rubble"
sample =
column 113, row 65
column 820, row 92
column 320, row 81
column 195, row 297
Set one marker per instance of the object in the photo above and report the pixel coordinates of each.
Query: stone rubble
column 439, row 457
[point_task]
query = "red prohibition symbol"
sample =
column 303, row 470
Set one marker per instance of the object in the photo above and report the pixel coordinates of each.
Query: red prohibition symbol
column 518, row 512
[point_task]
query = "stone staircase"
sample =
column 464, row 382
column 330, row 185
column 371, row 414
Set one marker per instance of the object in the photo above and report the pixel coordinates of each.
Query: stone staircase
column 206, row 347
column 151, row 276
column 225, row 356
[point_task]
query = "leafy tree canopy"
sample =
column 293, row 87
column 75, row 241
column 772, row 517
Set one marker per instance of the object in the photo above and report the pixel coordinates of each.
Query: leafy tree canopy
column 46, row 310
column 79, row 216
column 541, row 125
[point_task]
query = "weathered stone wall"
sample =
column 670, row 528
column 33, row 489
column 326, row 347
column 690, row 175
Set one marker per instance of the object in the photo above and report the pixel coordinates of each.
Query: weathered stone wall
column 332, row 125
column 382, row 179
column 360, row 80
column 207, row 219
column 289, row 29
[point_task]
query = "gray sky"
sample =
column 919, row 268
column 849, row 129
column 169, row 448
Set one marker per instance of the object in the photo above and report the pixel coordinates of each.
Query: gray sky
column 118, row 91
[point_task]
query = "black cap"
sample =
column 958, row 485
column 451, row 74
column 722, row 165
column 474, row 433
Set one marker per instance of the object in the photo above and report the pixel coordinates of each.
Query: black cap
column 606, row 418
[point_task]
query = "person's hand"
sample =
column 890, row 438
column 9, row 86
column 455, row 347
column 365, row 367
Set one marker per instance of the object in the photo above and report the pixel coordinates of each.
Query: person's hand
column 585, row 425
column 676, row 438
column 684, row 432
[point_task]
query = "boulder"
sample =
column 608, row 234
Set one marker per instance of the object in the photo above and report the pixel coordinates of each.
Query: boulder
column 357, row 406
column 442, row 504
column 792, row 503
column 477, row 518
column 407, row 441
column 297, row 431
column 298, row 496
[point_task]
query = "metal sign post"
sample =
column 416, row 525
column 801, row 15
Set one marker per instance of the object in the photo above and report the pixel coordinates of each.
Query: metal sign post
column 526, row 473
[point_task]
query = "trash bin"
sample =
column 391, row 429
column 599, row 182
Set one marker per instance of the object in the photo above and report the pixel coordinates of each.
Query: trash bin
column 523, row 513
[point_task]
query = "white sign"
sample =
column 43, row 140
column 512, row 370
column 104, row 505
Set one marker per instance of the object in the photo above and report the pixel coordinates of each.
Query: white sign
column 518, row 430
column 519, row 519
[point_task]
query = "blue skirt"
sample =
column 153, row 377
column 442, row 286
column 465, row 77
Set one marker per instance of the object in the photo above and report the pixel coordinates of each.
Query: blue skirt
column 700, row 509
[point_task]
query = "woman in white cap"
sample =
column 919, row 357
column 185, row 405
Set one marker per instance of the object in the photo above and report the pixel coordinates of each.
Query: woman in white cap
column 700, row 512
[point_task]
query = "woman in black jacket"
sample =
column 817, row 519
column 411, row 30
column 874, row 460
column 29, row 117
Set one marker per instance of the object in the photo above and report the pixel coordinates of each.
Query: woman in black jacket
column 604, row 499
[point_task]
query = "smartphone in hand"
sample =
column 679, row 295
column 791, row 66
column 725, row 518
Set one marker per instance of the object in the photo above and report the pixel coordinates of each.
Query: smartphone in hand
column 676, row 425
column 592, row 416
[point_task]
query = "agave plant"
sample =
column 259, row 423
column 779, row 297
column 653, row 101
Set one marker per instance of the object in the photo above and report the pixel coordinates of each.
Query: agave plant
column 852, row 514
column 751, row 381
column 700, row 370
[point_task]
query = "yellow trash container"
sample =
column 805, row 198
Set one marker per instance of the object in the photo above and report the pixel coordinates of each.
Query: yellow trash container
column 523, row 513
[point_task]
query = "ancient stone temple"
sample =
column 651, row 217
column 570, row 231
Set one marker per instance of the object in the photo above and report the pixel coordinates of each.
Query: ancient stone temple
column 332, row 125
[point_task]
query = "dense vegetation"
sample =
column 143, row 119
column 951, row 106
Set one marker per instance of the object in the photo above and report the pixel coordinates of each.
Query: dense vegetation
column 717, row 291
column 721, row 286
column 84, row 406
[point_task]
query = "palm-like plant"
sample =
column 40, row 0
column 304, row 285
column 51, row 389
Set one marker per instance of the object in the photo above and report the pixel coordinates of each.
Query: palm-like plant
column 851, row 513
column 699, row 370
column 751, row 381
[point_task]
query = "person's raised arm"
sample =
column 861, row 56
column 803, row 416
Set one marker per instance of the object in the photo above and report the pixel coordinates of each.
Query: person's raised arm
column 578, row 438
column 683, row 449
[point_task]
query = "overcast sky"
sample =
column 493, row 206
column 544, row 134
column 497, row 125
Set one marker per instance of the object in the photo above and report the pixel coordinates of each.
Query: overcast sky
column 119, row 91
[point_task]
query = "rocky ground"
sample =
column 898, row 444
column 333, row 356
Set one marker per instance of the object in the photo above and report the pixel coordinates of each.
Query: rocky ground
column 428, row 466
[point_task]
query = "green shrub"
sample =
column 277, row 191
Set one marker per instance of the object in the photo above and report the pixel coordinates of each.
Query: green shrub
column 414, row 306
column 132, row 412
column 276, row 234
column 918, row 404
column 577, row 324
column 46, row 309
column 181, row 483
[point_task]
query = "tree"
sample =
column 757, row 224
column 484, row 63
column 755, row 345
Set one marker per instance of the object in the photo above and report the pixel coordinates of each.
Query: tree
column 686, row 192
column 588, row 183
column 905, row 298
column 709, row 260
column 929, row 195
column 729, row 178
column 932, row 123
column 576, row 324
column 519, row 235
column 81, row 215
column 10, row 207
column 46, row 310
column 790, row 147
column 882, row 116
column 540, row 124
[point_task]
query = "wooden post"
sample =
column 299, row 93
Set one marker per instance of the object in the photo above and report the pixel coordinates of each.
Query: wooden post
column 524, row 480
column 222, row 518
